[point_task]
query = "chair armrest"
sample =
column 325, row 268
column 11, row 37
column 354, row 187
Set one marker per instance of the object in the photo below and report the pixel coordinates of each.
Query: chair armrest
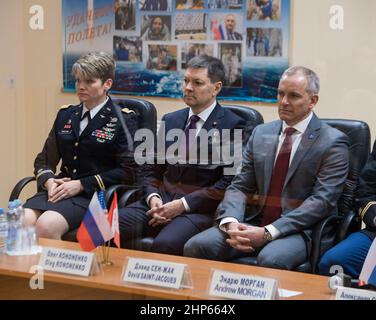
column 19, row 186
column 126, row 198
column 350, row 220
column 344, row 221
column 120, row 190
column 316, row 239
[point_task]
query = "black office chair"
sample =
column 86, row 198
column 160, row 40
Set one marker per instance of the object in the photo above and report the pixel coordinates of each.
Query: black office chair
column 147, row 118
column 346, row 221
column 252, row 117
column 147, row 114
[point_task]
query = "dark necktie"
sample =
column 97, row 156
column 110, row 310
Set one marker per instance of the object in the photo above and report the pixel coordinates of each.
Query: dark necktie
column 230, row 36
column 191, row 126
column 86, row 114
column 272, row 210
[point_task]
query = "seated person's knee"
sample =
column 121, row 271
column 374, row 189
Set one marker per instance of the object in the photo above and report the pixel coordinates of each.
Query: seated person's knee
column 30, row 217
column 196, row 248
column 51, row 225
column 165, row 246
column 267, row 261
column 43, row 229
column 327, row 260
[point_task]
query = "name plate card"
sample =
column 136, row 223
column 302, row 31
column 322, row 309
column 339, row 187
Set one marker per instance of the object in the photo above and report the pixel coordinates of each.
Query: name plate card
column 344, row 293
column 154, row 272
column 67, row 261
column 242, row 286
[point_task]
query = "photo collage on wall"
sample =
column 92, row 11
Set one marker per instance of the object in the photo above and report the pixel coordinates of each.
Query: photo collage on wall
column 153, row 40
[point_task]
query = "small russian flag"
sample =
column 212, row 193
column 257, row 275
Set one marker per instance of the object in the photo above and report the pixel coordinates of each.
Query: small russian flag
column 217, row 30
column 95, row 229
column 221, row 32
column 368, row 274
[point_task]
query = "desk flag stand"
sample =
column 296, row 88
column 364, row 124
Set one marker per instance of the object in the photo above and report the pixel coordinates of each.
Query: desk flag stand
column 98, row 219
column 105, row 253
column 113, row 220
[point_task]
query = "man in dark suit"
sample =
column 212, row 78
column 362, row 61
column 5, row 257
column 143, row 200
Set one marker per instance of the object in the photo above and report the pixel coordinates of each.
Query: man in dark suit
column 292, row 175
column 351, row 253
column 181, row 194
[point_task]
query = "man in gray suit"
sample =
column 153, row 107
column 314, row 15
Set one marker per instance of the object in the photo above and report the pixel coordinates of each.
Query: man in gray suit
column 292, row 175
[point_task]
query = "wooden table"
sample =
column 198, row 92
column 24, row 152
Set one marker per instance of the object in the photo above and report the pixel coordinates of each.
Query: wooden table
column 15, row 274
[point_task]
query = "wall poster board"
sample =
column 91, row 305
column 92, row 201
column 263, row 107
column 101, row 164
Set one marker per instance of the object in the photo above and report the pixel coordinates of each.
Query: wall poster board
column 152, row 40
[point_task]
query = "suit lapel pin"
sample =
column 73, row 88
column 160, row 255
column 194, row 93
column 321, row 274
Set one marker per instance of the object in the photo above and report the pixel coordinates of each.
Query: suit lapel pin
column 214, row 124
column 311, row 136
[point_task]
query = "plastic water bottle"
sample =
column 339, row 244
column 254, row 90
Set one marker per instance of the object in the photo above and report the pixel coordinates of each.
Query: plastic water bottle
column 20, row 212
column 21, row 241
column 3, row 232
column 12, row 227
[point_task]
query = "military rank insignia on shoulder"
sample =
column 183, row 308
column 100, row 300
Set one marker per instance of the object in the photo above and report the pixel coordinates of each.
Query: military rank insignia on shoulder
column 126, row 110
column 65, row 106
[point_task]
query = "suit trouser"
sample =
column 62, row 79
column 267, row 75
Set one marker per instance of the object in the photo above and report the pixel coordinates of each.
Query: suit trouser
column 283, row 253
column 169, row 239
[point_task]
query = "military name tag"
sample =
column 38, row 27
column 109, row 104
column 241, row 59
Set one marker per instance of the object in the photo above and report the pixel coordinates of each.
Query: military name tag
column 154, row 272
column 68, row 261
column 242, row 286
column 65, row 132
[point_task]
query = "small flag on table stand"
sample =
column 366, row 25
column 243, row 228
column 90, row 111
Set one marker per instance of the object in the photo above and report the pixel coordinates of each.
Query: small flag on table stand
column 95, row 229
column 113, row 219
column 105, row 246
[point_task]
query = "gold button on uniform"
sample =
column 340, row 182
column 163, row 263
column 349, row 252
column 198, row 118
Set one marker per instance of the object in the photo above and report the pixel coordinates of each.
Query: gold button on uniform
column 76, row 144
column 75, row 158
column 74, row 170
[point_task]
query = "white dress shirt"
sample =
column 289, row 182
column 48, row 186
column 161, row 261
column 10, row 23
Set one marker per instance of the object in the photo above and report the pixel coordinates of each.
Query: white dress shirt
column 296, row 137
column 204, row 115
column 93, row 112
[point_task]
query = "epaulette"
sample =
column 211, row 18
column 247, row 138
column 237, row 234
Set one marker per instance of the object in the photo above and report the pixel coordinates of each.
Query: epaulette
column 65, row 106
column 126, row 110
column 362, row 212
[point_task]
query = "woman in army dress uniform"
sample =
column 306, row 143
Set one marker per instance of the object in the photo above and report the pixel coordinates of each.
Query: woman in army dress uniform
column 93, row 140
